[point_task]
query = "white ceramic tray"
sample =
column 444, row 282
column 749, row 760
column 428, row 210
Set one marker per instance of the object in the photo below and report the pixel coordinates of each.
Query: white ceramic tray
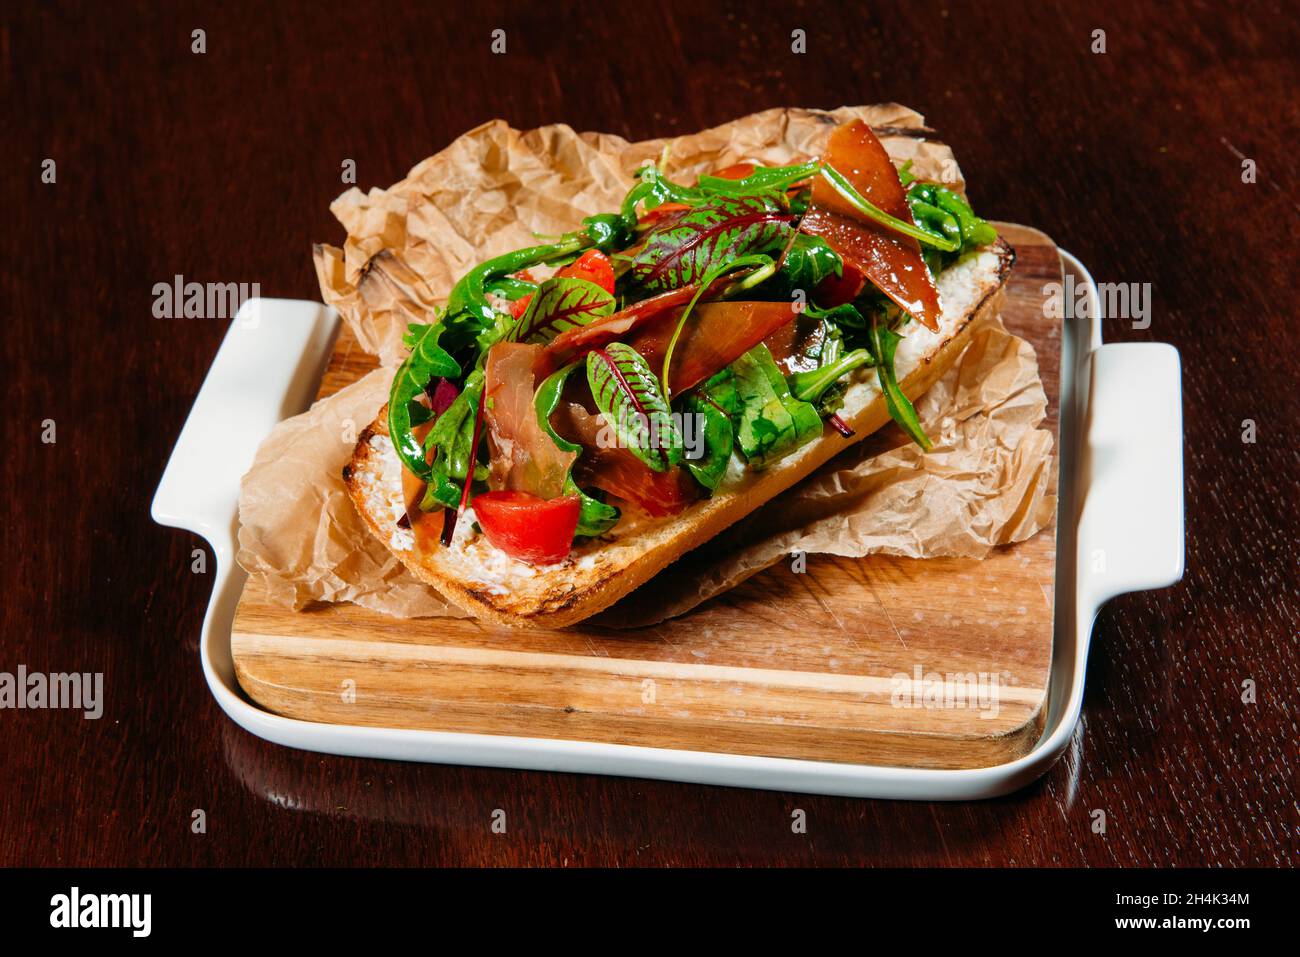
column 1120, row 530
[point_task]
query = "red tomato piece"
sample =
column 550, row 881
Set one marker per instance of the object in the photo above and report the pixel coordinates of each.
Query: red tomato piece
column 837, row 290
column 520, row 305
column 652, row 216
column 531, row 529
column 738, row 171
column 593, row 266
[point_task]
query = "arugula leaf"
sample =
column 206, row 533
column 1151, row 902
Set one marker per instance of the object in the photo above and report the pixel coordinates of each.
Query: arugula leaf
column 468, row 310
column 772, row 422
column 681, row 250
column 655, row 189
column 840, row 183
column 509, row 287
column 452, row 436
column 808, row 261
column 469, row 315
column 560, row 303
column 934, row 199
column 847, row 315
column 764, row 179
column 628, row 395
column 594, row 516
column 884, row 341
column 610, row 231
column 936, row 220
column 716, row 404
column 812, row 385
column 427, row 361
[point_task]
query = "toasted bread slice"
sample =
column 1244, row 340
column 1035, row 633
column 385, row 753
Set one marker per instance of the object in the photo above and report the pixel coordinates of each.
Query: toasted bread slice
column 490, row 585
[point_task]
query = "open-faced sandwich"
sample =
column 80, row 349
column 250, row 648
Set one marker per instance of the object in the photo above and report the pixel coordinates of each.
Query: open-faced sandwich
column 584, row 411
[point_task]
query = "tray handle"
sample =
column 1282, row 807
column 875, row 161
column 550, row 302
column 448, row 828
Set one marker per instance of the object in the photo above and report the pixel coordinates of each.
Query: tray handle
column 268, row 368
column 1131, row 518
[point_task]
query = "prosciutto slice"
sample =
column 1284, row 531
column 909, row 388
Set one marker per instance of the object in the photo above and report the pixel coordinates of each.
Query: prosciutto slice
column 523, row 457
column 616, row 470
column 716, row 334
column 891, row 262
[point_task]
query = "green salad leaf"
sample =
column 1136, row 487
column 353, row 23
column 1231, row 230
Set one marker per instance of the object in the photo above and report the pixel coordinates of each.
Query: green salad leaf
column 594, row 516
column 932, row 200
column 686, row 246
column 812, row 385
column 509, row 287
column 628, row 395
column 808, row 261
column 428, row 360
column 884, row 342
column 715, row 404
column 560, row 303
column 764, row 179
column 654, row 189
column 772, row 422
column 452, row 440
column 468, row 310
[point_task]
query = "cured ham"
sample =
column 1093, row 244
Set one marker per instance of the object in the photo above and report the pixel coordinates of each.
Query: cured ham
column 524, row 458
column 892, row 262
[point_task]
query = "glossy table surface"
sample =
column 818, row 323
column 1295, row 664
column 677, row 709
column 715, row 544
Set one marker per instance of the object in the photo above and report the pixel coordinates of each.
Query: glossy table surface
column 220, row 167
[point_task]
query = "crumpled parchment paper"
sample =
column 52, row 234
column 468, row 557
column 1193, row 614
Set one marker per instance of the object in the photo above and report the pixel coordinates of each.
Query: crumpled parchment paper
column 299, row 533
column 989, row 480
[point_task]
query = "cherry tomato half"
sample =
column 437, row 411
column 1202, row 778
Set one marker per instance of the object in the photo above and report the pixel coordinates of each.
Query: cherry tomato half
column 837, row 290
column 520, row 305
column 533, row 530
column 738, row 171
column 593, row 266
column 651, row 217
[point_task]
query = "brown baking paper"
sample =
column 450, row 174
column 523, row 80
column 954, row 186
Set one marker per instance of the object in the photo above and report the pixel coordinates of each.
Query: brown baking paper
column 299, row 534
column 987, row 482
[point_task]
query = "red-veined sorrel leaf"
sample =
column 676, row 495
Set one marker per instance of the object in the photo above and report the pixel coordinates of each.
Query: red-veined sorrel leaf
column 628, row 396
column 560, row 303
column 686, row 246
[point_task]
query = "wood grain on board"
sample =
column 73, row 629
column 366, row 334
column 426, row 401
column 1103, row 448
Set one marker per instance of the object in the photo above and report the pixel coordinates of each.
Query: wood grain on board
column 836, row 663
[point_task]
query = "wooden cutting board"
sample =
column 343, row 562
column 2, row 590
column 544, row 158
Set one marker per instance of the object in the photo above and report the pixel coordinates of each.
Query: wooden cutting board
column 788, row 665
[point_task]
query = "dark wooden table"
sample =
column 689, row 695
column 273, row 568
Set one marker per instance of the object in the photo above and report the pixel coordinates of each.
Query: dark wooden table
column 220, row 166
